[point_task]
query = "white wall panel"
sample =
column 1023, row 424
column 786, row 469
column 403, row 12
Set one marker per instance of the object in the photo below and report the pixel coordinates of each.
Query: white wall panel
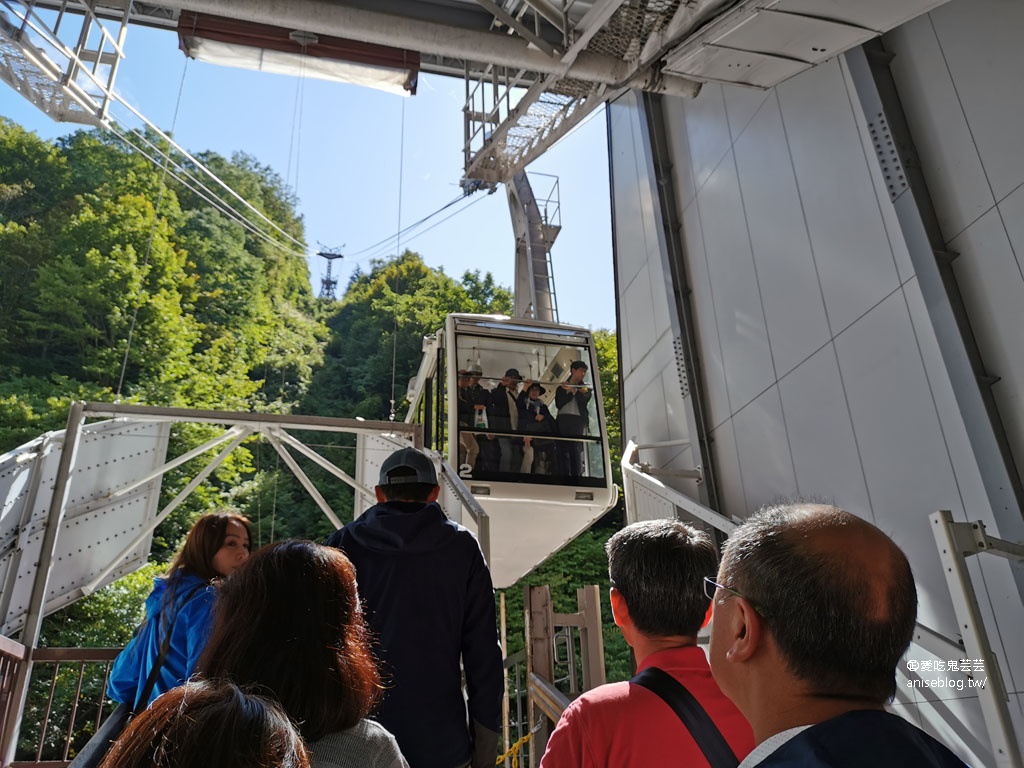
column 741, row 104
column 646, row 305
column 712, row 366
column 1016, row 706
column 956, row 179
column 814, row 406
column 741, row 325
column 708, row 132
column 628, row 203
column 679, row 146
column 653, row 426
column 958, row 445
column 650, row 368
column 991, row 283
column 890, row 221
column 1011, row 210
column 732, row 499
column 638, row 322
column 763, row 448
column 786, row 275
column 989, row 87
column 675, row 406
column 901, row 445
column 823, row 372
column 851, row 250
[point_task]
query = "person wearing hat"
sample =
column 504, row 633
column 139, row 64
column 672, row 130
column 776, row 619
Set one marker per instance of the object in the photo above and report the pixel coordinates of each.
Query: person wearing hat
column 536, row 419
column 504, row 417
column 571, row 399
column 466, row 404
column 429, row 601
column 469, row 410
column 480, row 397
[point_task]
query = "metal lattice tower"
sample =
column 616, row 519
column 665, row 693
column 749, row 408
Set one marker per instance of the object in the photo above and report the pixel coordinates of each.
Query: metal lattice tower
column 329, row 284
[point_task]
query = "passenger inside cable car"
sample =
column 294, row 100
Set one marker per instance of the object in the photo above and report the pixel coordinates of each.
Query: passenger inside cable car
column 526, row 411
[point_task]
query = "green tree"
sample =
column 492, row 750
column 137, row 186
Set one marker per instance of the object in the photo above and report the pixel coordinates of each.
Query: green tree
column 33, row 174
column 115, row 274
column 377, row 332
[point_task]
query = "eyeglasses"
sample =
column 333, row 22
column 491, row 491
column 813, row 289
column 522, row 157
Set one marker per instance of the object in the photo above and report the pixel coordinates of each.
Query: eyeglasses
column 710, row 585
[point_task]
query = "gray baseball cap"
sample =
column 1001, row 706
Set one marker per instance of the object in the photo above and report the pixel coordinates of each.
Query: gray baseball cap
column 408, row 459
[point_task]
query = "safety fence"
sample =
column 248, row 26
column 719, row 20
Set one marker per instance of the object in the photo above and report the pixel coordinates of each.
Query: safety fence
column 563, row 656
column 65, row 705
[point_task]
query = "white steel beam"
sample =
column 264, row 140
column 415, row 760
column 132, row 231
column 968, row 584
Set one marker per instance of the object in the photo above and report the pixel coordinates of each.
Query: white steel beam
column 403, row 32
column 272, row 436
column 323, row 463
column 185, row 492
column 521, row 29
column 34, row 615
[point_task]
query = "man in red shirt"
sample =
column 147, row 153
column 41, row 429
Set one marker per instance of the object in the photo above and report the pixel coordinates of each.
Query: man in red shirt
column 657, row 570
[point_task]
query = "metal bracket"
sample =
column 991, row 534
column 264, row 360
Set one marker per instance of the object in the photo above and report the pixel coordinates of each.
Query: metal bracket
column 956, row 542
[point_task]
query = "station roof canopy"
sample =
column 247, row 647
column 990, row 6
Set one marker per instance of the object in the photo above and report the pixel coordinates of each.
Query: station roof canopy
column 534, row 68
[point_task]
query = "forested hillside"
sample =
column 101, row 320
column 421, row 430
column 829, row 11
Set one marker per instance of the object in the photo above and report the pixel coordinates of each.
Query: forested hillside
column 116, row 281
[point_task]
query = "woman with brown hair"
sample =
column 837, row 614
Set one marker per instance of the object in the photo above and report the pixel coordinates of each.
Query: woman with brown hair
column 290, row 622
column 202, row 724
column 179, row 612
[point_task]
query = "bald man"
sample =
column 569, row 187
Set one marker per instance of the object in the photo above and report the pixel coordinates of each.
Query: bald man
column 813, row 609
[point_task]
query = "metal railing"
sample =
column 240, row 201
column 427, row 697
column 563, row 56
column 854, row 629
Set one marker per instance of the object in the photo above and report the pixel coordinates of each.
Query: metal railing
column 565, row 656
column 956, row 542
column 66, row 704
column 12, row 656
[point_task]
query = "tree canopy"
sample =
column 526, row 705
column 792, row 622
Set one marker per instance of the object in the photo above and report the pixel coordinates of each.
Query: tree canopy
column 116, row 280
column 378, row 328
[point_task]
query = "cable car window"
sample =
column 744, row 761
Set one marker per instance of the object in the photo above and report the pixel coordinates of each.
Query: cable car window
column 527, row 411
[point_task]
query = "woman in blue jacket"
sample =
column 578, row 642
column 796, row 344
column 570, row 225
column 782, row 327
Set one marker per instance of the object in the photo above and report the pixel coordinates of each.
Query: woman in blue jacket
column 179, row 610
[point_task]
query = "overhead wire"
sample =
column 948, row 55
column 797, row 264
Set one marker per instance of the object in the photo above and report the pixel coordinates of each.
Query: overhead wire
column 194, row 185
column 398, row 235
column 474, row 201
column 200, row 166
column 398, row 242
column 149, row 244
column 295, row 141
column 384, row 246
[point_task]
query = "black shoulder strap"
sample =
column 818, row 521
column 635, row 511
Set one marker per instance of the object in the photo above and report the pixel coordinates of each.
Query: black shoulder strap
column 143, row 698
column 700, row 725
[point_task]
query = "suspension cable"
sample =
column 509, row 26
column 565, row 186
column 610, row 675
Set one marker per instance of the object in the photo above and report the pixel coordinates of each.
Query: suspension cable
column 149, row 243
column 188, row 180
column 398, row 253
column 382, row 251
column 386, row 242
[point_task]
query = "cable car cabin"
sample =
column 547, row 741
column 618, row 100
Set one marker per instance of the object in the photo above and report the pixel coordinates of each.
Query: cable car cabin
column 516, row 406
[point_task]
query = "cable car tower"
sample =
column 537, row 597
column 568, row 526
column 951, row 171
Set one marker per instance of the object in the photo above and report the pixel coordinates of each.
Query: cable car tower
column 536, row 224
column 328, row 284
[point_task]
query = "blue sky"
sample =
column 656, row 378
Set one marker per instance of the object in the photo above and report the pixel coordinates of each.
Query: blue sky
column 343, row 150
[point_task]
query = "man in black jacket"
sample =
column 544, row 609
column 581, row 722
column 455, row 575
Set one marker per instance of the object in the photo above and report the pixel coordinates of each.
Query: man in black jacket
column 571, row 399
column 430, row 603
column 504, row 417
